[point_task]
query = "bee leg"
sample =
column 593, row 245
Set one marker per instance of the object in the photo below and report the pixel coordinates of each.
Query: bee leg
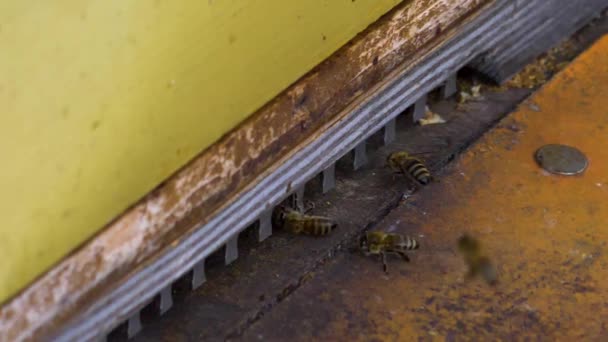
column 294, row 229
column 413, row 180
column 384, row 263
column 363, row 241
column 309, row 207
column 354, row 249
column 404, row 256
column 470, row 274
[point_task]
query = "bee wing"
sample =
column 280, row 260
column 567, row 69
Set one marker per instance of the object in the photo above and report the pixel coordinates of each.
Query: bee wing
column 488, row 271
column 410, row 177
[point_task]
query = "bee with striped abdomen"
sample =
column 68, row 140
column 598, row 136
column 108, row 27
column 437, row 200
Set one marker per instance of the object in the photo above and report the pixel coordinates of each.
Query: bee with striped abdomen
column 412, row 167
column 301, row 223
column 478, row 263
column 381, row 244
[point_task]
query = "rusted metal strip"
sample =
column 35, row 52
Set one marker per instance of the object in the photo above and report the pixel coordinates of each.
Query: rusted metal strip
column 160, row 223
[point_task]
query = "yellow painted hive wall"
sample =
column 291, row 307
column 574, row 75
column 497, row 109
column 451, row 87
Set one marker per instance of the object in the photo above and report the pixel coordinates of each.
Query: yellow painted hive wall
column 101, row 100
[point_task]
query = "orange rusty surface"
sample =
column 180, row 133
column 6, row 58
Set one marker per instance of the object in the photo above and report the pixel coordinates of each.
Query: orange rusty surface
column 547, row 234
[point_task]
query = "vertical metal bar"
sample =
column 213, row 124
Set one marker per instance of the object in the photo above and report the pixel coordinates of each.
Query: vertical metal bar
column 265, row 225
column 360, row 158
column 420, row 108
column 328, row 178
column 134, row 325
column 297, row 199
column 232, row 251
column 166, row 300
column 450, row 87
column 198, row 274
column 390, row 130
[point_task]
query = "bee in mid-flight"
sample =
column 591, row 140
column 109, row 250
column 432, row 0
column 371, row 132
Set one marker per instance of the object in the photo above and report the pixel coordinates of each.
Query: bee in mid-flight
column 412, row 167
column 301, row 223
column 478, row 263
column 381, row 243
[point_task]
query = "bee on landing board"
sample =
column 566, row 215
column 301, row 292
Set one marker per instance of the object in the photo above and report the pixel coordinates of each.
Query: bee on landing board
column 381, row 244
column 478, row 263
column 301, row 223
column 410, row 166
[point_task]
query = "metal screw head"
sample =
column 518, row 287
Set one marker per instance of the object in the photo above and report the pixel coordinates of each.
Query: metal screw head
column 561, row 159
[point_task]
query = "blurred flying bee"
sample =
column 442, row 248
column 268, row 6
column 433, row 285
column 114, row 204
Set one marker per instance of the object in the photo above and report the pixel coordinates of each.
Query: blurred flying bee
column 412, row 167
column 300, row 223
column 381, row 243
column 478, row 263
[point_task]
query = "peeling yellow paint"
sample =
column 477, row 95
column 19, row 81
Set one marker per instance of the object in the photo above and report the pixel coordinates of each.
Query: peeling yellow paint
column 102, row 100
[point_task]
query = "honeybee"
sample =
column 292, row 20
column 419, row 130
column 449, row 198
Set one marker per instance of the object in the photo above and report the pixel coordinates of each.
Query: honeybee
column 381, row 243
column 478, row 263
column 471, row 94
column 412, row 167
column 300, row 223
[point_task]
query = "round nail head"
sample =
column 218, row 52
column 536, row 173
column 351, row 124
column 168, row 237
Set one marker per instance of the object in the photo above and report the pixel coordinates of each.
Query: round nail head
column 561, row 159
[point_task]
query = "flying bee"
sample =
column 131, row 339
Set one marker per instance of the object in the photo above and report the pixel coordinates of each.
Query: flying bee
column 478, row 263
column 301, row 223
column 412, row 167
column 381, row 243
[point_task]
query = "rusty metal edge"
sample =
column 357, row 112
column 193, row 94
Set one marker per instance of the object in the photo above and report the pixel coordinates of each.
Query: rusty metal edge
column 168, row 220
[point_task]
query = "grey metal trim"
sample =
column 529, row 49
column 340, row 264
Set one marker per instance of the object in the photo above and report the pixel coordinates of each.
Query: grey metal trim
column 166, row 300
column 265, row 225
column 449, row 88
column 328, row 178
column 198, row 274
column 390, row 131
column 533, row 30
column 420, row 108
column 231, row 253
column 134, row 324
column 360, row 153
column 297, row 198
